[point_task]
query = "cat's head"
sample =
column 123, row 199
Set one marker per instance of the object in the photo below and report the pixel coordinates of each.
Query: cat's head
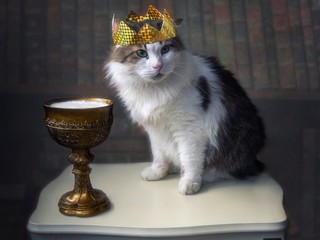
column 149, row 62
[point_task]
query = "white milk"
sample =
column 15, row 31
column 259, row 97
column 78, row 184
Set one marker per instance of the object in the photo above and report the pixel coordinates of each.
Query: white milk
column 76, row 104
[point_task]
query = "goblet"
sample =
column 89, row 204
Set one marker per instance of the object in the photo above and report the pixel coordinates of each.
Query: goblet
column 80, row 124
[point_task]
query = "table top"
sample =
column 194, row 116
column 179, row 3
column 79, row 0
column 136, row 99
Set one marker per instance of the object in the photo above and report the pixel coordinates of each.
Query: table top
column 155, row 208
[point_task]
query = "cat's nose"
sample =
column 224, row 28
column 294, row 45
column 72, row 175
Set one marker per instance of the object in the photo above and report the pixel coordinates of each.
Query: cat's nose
column 157, row 66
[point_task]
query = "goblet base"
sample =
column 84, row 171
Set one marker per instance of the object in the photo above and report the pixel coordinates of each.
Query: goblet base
column 84, row 204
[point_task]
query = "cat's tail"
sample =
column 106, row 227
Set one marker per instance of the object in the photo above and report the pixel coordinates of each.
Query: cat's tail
column 260, row 166
column 250, row 171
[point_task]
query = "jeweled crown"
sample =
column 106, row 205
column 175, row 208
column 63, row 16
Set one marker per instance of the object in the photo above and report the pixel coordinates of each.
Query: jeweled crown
column 124, row 35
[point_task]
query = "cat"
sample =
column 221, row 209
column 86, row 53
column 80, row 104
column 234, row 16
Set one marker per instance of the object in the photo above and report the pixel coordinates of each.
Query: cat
column 199, row 120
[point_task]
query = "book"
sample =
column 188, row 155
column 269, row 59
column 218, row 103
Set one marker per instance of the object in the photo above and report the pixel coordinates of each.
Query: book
column 241, row 44
column 270, row 45
column 3, row 40
column 53, row 42
column 309, row 44
column 34, row 19
column 283, row 44
column 315, row 11
column 68, row 40
column 224, row 33
column 196, row 42
column 208, row 28
column 102, row 40
column 297, row 41
column 257, row 44
column 84, row 36
column 180, row 11
column 13, row 42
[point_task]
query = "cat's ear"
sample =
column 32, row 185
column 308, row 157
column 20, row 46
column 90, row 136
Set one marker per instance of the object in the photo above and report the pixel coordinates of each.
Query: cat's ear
column 115, row 23
column 177, row 22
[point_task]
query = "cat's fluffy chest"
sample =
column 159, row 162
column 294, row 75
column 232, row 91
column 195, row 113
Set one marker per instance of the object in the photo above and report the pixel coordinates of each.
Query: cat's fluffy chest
column 148, row 113
column 152, row 109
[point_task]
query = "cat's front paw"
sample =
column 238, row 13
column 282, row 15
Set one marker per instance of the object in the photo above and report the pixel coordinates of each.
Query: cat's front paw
column 189, row 186
column 150, row 174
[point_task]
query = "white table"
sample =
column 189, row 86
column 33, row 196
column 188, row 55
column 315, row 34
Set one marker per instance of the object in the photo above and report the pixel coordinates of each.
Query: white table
column 229, row 209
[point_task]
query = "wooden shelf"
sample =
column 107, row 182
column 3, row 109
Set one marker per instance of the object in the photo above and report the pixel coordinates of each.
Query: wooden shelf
column 52, row 89
column 284, row 94
column 104, row 90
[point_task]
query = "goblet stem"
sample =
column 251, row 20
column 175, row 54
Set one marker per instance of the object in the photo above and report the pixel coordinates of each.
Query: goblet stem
column 81, row 178
column 83, row 200
column 80, row 158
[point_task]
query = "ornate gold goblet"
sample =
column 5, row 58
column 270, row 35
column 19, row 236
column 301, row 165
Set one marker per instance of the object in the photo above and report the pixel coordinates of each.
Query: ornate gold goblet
column 80, row 124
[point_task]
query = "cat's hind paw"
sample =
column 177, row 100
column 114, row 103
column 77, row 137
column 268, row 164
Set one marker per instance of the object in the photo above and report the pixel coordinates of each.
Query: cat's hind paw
column 150, row 174
column 189, row 186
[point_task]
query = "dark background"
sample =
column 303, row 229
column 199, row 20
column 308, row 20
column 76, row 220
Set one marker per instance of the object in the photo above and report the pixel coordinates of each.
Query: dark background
column 56, row 48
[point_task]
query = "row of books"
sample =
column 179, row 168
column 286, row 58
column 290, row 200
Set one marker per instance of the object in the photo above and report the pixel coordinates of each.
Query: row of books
column 268, row 44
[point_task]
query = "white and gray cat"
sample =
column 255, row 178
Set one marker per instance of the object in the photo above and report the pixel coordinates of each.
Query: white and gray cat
column 198, row 118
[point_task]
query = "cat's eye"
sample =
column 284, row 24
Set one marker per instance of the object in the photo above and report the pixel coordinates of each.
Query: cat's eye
column 142, row 53
column 165, row 49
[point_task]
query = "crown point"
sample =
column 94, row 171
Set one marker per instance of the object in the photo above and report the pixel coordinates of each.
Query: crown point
column 134, row 17
column 124, row 35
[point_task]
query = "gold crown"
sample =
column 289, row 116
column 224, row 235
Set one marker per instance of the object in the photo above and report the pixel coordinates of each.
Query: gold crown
column 123, row 35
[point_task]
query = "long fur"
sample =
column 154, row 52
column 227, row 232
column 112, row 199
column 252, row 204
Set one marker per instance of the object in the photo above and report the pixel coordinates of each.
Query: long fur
column 198, row 118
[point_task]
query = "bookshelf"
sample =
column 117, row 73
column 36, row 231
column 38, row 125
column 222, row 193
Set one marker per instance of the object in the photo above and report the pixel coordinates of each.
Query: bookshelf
column 60, row 46
column 57, row 48
column 104, row 91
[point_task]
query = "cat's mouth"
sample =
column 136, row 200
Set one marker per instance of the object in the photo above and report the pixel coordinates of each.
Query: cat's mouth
column 158, row 77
